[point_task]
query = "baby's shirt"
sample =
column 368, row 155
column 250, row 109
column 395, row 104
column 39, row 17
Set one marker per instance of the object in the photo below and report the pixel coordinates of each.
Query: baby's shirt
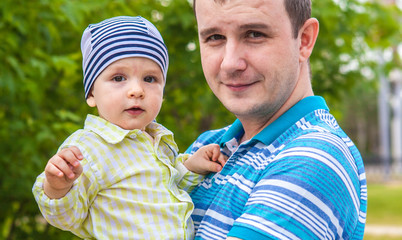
column 131, row 187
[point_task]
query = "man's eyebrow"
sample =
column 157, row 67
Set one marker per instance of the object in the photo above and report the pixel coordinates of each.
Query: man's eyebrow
column 255, row 26
column 206, row 32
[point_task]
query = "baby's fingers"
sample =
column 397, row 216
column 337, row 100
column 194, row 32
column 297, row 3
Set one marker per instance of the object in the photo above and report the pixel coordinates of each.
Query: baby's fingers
column 222, row 159
column 72, row 155
column 57, row 166
column 214, row 152
column 53, row 171
column 217, row 156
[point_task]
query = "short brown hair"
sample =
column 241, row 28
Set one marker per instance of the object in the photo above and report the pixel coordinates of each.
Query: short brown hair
column 298, row 11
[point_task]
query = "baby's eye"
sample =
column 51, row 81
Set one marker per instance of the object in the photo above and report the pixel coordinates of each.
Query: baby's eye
column 118, row 78
column 149, row 79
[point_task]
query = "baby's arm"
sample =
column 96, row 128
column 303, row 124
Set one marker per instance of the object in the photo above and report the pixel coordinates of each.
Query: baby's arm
column 207, row 159
column 61, row 171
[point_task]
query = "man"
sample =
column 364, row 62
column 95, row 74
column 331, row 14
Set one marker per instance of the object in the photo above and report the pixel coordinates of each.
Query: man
column 292, row 173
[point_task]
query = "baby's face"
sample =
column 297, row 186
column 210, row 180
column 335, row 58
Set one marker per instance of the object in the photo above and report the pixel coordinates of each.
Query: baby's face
column 129, row 92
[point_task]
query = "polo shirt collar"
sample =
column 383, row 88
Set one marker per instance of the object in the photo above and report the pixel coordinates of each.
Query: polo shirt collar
column 275, row 129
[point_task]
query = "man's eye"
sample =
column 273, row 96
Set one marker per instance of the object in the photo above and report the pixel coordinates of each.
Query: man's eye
column 253, row 34
column 215, row 37
column 118, row 78
column 149, row 79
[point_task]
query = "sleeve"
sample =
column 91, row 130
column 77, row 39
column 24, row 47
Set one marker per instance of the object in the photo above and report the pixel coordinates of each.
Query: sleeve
column 69, row 212
column 188, row 180
column 311, row 190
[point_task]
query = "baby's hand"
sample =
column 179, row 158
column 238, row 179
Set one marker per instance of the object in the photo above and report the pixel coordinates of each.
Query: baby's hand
column 61, row 171
column 207, row 159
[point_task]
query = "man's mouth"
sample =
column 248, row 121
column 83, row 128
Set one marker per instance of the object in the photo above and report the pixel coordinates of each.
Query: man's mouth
column 239, row 87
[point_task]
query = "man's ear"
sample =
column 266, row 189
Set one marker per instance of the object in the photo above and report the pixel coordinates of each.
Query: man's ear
column 91, row 100
column 308, row 35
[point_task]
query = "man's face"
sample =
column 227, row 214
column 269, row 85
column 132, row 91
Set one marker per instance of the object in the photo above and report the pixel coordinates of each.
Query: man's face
column 249, row 55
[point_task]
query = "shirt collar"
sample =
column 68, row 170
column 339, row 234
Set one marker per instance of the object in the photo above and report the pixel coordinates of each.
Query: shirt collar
column 275, row 129
column 113, row 134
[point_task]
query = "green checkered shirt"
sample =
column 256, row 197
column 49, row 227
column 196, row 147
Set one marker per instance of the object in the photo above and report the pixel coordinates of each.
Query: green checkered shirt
column 130, row 188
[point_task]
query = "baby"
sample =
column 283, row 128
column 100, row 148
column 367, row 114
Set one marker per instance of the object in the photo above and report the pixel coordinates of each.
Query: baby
column 124, row 178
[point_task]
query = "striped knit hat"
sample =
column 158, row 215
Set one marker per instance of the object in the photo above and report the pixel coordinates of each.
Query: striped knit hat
column 116, row 38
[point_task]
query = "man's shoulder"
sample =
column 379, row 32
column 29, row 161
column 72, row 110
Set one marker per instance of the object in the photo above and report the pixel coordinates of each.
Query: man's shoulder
column 318, row 132
column 319, row 121
column 212, row 136
column 317, row 129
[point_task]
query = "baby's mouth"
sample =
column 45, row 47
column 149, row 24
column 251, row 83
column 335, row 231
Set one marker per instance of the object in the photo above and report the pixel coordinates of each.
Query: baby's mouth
column 135, row 110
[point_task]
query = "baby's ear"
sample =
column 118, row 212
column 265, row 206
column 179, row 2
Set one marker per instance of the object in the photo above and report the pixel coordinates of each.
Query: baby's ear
column 91, row 100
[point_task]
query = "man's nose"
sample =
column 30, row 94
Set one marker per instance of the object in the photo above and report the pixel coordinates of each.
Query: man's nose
column 233, row 59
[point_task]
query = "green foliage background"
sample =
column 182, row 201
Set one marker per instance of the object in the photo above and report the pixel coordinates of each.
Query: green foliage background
column 42, row 98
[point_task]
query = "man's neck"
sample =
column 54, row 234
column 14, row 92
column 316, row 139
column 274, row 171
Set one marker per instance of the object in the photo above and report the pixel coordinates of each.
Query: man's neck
column 253, row 126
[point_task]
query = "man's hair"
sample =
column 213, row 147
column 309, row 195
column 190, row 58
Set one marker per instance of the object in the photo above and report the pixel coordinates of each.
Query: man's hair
column 298, row 11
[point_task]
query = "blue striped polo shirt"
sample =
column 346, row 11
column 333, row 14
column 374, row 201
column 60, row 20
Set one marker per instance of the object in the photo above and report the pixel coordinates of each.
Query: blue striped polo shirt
column 300, row 178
